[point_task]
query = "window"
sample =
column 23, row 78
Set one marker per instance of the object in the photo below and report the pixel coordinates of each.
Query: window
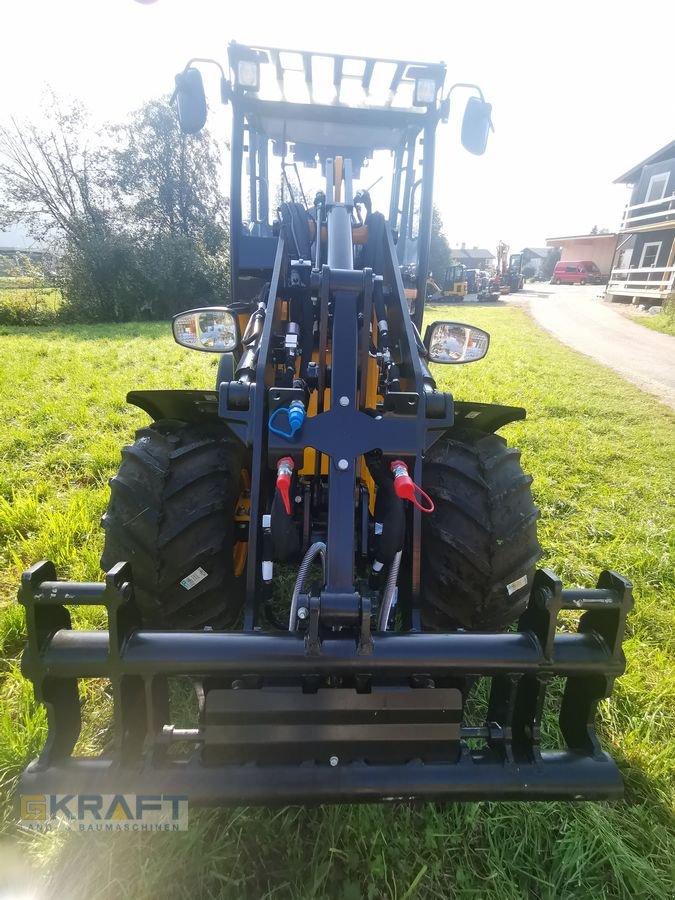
column 624, row 258
column 571, row 268
column 650, row 255
column 657, row 187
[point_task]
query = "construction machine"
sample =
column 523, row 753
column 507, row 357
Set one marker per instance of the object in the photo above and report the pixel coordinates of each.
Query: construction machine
column 454, row 285
column 413, row 654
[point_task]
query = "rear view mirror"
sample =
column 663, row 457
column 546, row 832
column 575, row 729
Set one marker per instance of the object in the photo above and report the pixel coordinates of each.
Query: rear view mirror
column 452, row 342
column 476, row 125
column 213, row 329
column 190, row 101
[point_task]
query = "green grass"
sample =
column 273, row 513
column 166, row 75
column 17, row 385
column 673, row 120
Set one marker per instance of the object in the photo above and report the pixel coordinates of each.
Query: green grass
column 24, row 301
column 601, row 455
column 664, row 322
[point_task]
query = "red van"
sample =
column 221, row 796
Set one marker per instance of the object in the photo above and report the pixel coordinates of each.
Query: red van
column 571, row 272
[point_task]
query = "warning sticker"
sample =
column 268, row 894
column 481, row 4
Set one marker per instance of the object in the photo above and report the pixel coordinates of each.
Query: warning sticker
column 193, row 579
column 514, row 586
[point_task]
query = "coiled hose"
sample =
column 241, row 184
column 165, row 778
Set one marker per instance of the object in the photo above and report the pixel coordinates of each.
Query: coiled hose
column 316, row 549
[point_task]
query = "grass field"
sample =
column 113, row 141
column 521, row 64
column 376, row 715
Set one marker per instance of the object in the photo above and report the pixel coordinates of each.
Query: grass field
column 28, row 301
column 664, row 322
column 601, row 453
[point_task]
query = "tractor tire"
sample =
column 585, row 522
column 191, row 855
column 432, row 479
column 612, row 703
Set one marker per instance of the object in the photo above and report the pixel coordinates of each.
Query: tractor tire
column 171, row 515
column 479, row 546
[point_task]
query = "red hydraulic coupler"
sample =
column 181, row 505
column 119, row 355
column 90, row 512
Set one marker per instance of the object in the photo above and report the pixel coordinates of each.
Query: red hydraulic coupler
column 285, row 468
column 406, row 489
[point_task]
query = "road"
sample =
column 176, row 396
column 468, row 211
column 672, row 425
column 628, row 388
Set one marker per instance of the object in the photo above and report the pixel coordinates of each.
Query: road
column 577, row 317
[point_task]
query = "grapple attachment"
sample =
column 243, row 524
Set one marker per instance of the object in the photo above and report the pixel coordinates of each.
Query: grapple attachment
column 286, row 719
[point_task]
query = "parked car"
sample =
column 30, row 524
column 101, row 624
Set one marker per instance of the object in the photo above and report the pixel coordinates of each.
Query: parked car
column 583, row 272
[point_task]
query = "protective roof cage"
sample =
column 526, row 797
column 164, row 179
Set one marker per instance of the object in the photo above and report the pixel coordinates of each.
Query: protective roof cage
column 285, row 720
column 335, row 79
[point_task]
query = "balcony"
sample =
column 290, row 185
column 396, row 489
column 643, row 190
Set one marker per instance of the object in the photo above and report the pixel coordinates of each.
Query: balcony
column 650, row 215
column 650, row 283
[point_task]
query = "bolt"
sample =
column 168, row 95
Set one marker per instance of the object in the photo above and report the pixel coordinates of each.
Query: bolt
column 343, row 465
column 298, row 498
column 333, row 761
column 237, row 684
column 303, row 612
column 344, row 401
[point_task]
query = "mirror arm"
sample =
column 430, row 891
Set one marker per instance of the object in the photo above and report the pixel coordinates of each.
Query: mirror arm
column 445, row 104
column 225, row 85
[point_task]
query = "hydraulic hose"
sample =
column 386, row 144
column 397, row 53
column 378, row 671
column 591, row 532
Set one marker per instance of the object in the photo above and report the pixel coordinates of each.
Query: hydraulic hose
column 388, row 594
column 316, row 549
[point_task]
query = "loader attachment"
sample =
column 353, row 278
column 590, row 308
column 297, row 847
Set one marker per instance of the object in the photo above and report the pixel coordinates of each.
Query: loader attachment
column 290, row 717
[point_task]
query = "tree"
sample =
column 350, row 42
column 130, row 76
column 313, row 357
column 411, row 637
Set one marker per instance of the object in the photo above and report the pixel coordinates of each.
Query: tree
column 139, row 220
column 167, row 180
column 440, row 254
column 548, row 265
column 51, row 180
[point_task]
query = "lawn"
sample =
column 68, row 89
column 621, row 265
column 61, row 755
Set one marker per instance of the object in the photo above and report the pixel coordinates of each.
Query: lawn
column 28, row 300
column 601, row 455
column 663, row 322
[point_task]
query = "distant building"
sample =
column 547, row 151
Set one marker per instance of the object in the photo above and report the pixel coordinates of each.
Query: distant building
column 473, row 257
column 17, row 245
column 534, row 258
column 598, row 248
column 644, row 263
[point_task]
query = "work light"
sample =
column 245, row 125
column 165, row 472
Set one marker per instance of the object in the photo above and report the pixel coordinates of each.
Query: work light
column 425, row 91
column 248, row 74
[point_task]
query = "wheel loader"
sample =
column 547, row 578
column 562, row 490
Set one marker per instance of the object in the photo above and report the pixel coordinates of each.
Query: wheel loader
column 415, row 652
column 455, row 285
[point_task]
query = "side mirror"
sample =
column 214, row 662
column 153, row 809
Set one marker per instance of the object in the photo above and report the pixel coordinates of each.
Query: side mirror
column 452, row 342
column 213, row 329
column 476, row 125
column 190, row 101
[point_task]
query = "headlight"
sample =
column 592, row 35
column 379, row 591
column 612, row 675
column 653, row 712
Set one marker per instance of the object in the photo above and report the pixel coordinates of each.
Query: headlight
column 213, row 329
column 248, row 74
column 425, row 91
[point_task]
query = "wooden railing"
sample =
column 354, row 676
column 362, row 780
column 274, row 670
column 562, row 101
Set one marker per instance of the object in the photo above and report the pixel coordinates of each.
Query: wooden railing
column 655, row 212
column 647, row 282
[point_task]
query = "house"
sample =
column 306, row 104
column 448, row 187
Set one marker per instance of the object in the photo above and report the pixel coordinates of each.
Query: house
column 597, row 248
column 16, row 246
column 644, row 263
column 474, row 257
column 534, row 258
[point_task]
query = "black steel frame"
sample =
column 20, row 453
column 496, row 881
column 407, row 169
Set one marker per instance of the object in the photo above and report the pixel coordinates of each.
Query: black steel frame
column 278, row 757
column 248, row 143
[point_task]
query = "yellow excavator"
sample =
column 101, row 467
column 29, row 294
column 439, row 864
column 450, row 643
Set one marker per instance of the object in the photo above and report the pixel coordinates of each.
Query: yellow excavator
column 454, row 285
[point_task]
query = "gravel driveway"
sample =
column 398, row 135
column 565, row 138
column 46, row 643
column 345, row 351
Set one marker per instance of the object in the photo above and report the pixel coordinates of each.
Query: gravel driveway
column 576, row 316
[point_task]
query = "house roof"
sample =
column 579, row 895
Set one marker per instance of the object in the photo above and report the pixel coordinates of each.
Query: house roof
column 632, row 175
column 554, row 241
column 471, row 253
column 536, row 251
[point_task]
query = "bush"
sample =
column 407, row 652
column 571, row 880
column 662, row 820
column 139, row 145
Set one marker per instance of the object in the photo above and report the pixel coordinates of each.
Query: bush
column 115, row 277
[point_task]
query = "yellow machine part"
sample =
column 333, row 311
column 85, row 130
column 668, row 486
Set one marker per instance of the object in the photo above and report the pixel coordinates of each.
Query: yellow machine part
column 242, row 514
column 309, row 457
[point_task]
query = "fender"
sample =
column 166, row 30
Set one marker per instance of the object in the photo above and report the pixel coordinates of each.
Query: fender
column 185, row 406
column 485, row 416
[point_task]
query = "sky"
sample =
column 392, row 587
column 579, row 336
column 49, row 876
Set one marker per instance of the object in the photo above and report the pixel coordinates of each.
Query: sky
column 573, row 105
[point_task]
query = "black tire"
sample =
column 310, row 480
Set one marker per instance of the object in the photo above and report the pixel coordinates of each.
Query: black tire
column 171, row 513
column 479, row 547
column 583, row 281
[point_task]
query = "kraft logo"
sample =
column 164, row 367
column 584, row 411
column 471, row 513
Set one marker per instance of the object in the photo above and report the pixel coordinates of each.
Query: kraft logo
column 104, row 812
